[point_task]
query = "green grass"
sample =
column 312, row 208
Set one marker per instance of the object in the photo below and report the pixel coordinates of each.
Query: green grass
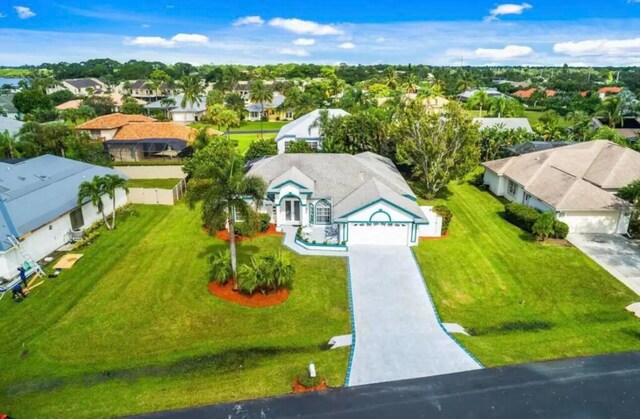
column 524, row 300
column 132, row 327
column 153, row 183
column 251, row 125
column 245, row 139
column 534, row 118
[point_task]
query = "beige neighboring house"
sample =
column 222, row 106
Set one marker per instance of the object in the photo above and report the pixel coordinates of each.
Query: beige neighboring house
column 79, row 87
column 432, row 104
column 117, row 99
column 578, row 183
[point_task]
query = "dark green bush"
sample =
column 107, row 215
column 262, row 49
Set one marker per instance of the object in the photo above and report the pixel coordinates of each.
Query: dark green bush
column 478, row 179
column 241, row 228
column 560, row 230
column 265, row 220
column 309, row 382
column 543, row 228
column 521, row 216
column 446, row 214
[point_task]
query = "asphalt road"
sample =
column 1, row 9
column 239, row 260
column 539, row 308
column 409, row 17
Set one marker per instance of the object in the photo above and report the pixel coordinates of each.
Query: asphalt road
column 593, row 387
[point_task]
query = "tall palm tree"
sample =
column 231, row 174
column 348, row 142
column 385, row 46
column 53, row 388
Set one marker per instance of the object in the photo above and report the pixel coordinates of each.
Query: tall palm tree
column 192, row 90
column 93, row 191
column 479, row 98
column 225, row 193
column 111, row 185
column 260, row 93
column 7, row 145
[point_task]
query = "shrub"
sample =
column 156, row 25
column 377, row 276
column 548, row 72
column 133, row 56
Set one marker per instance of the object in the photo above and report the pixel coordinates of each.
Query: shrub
column 221, row 267
column 306, row 381
column 478, row 179
column 543, row 228
column 560, row 230
column 446, row 214
column 521, row 215
column 265, row 220
column 266, row 273
column 241, row 228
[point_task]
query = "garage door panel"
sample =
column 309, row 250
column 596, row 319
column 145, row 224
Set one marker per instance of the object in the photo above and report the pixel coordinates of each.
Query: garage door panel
column 379, row 234
column 603, row 223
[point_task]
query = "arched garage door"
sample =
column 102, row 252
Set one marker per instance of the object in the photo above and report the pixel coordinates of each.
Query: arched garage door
column 384, row 234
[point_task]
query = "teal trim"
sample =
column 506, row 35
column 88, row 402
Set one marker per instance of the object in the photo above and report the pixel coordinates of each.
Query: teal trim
column 411, row 197
column 380, row 212
column 381, row 200
column 414, row 233
column 301, row 192
column 435, row 310
column 353, row 325
column 288, row 196
column 290, row 181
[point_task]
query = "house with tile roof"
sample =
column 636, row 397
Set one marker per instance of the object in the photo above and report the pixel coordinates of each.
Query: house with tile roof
column 305, row 129
column 526, row 94
column 578, row 183
column 603, row 92
column 39, row 206
column 362, row 198
column 117, row 98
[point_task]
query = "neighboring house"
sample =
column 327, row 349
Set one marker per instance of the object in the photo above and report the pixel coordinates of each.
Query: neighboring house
column 526, row 94
column 516, row 84
column 147, row 140
column 105, row 127
column 504, row 123
column 305, row 128
column 117, row 99
column 533, row 146
column 431, row 104
column 140, row 89
column 578, row 183
column 10, row 125
column 270, row 111
column 6, row 104
column 603, row 92
column 192, row 112
column 38, row 205
column 363, row 198
column 79, row 87
column 629, row 130
column 243, row 88
column 491, row 92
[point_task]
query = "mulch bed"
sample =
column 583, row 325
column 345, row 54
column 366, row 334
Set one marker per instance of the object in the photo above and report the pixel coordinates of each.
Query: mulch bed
column 299, row 388
column 271, row 231
column 434, row 238
column 257, row 299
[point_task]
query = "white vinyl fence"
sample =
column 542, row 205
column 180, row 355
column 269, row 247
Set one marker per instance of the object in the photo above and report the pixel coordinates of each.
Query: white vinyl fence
column 152, row 172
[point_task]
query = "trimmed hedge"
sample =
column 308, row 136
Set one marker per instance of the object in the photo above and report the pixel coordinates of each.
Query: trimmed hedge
column 526, row 217
column 446, row 214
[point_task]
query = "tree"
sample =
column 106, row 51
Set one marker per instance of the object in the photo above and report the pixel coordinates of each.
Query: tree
column 505, row 108
column 157, row 80
column 61, row 96
column 86, row 112
column 102, row 105
column 167, row 104
column 93, row 191
column 437, row 148
column 497, row 138
column 480, row 99
column 612, row 110
column 260, row 148
column 8, row 145
column 131, row 107
column 192, row 90
column 215, row 97
column 260, row 93
column 225, row 193
column 28, row 100
column 235, row 102
column 299, row 147
column 543, row 228
column 111, row 184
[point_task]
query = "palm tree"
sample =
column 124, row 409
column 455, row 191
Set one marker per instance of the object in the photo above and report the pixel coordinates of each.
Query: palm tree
column 167, row 103
column 225, row 193
column 260, row 93
column 479, row 98
column 390, row 78
column 612, row 109
column 93, row 191
column 111, row 185
column 192, row 90
column 412, row 83
column 7, row 145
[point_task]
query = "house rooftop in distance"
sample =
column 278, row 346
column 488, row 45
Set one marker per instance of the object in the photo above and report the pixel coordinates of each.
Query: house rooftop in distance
column 83, row 83
column 504, row 123
column 11, row 125
column 113, row 121
column 155, row 130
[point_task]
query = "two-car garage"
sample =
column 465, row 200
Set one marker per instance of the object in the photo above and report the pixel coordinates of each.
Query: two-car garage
column 379, row 233
column 595, row 222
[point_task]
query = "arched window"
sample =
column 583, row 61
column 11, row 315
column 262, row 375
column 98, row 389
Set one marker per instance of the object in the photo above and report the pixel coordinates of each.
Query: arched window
column 323, row 212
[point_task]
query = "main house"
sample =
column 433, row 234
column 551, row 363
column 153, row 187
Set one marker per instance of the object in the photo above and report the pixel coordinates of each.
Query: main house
column 578, row 183
column 38, row 206
column 138, row 137
column 362, row 198
column 305, row 128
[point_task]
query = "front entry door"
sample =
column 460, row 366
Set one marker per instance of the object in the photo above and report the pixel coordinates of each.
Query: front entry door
column 292, row 210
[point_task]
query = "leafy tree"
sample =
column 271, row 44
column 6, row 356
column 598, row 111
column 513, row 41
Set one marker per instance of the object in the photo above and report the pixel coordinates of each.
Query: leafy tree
column 220, row 116
column 82, row 147
column 86, row 112
column 8, row 145
column 261, row 94
column 260, row 148
column 224, row 192
column 438, row 149
column 505, row 108
column 61, row 96
column 93, row 191
column 44, row 115
column 111, row 183
column 611, row 109
column 299, row 147
column 26, row 101
column 215, row 97
column 215, row 151
column 480, row 99
column 235, row 102
column 102, row 105
column 167, row 104
column 366, row 130
column 497, row 138
column 131, row 107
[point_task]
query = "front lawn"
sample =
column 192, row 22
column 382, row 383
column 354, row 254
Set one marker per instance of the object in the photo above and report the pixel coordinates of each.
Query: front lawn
column 255, row 125
column 153, row 183
column 133, row 328
column 523, row 300
column 245, row 139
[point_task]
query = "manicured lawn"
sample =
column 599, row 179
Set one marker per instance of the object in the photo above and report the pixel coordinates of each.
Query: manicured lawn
column 153, row 183
column 534, row 118
column 245, row 139
column 251, row 125
column 525, row 301
column 132, row 327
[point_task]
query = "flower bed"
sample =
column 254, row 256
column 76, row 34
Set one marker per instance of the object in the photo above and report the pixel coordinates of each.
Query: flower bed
column 257, row 299
column 271, row 231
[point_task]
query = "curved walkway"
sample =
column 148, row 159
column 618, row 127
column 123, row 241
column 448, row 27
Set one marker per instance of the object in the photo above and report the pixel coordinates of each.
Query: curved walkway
column 398, row 333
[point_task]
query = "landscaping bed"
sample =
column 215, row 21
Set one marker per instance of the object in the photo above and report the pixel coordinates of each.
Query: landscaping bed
column 257, row 299
column 271, row 231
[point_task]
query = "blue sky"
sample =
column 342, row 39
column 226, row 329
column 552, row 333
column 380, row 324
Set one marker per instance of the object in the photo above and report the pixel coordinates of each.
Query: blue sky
column 535, row 32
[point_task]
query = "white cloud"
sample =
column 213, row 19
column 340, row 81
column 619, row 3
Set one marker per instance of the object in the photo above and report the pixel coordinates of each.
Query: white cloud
column 249, row 21
column 304, row 27
column 304, row 42
column 507, row 9
column 599, row 47
column 150, row 41
column 298, row 52
column 347, row 45
column 24, row 12
column 190, row 38
column 507, row 53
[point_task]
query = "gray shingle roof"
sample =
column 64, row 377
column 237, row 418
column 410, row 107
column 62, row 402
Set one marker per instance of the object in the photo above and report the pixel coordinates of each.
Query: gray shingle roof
column 6, row 103
column 342, row 178
column 504, row 123
column 39, row 190
column 278, row 100
column 301, row 128
column 11, row 125
column 201, row 107
column 84, row 83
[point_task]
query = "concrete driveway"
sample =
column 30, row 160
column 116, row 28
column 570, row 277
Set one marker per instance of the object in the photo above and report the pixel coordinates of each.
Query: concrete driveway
column 397, row 331
column 616, row 254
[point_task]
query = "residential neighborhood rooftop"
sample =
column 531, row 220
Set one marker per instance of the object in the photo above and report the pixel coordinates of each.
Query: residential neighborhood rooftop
column 11, row 125
column 155, row 130
column 303, row 127
column 504, row 123
column 114, row 120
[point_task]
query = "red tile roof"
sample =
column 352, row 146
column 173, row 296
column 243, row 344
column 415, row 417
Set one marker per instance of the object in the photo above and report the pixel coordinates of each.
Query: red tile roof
column 148, row 130
column 611, row 90
column 526, row 94
column 114, row 120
